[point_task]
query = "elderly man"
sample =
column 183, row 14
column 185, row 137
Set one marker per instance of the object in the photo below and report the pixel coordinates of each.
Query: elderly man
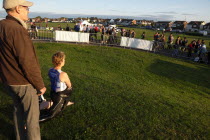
column 19, row 69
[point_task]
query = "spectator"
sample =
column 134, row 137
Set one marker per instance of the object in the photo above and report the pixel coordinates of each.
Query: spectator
column 202, row 51
column 191, row 46
column 33, row 30
column 128, row 33
column 177, row 42
column 58, row 84
column 76, row 27
column 122, row 32
column 156, row 36
column 87, row 29
column 197, row 46
column 162, row 41
column 84, row 28
column 143, row 35
column 170, row 41
column 67, row 28
column 112, row 35
column 133, row 34
column 176, row 47
column 103, row 33
column 20, row 70
column 59, row 27
column 184, row 44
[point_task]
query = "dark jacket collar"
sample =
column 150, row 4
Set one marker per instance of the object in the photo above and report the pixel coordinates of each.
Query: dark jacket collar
column 9, row 17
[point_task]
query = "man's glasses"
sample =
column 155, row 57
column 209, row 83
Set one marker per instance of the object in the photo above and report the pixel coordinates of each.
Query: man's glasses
column 25, row 7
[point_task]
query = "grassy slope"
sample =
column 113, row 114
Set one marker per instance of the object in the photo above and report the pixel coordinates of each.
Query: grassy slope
column 124, row 93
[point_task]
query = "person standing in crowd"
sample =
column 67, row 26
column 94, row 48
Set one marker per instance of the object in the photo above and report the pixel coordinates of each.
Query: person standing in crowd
column 87, row 29
column 176, row 46
column 170, row 41
column 84, row 28
column 33, row 30
column 184, row 44
column 19, row 69
column 202, row 51
column 112, row 35
column 156, row 36
column 143, row 35
column 191, row 46
column 162, row 41
column 122, row 32
column 197, row 46
column 67, row 28
column 103, row 33
column 128, row 33
column 133, row 34
column 59, row 27
column 77, row 27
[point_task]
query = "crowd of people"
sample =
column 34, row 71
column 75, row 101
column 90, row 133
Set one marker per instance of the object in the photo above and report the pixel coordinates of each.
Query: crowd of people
column 196, row 47
column 108, row 35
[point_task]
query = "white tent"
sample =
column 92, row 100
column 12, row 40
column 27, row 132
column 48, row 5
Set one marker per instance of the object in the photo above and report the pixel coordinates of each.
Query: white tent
column 85, row 22
column 111, row 21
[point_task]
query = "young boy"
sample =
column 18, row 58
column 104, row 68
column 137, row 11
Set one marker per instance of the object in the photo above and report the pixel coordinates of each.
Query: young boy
column 60, row 82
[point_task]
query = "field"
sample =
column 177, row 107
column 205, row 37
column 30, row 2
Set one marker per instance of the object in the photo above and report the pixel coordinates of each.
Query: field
column 123, row 94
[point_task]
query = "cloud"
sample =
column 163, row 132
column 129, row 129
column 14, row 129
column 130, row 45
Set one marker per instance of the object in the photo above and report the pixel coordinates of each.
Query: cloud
column 186, row 14
column 160, row 17
column 115, row 10
column 171, row 12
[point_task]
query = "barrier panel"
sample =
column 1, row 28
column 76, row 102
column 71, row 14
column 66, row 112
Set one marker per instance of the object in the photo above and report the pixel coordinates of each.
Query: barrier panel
column 71, row 36
column 136, row 43
column 41, row 34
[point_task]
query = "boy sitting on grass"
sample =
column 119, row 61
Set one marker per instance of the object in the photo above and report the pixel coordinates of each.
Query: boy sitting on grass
column 60, row 83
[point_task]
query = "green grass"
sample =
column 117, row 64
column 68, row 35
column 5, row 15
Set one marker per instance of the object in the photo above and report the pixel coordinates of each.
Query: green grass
column 123, row 94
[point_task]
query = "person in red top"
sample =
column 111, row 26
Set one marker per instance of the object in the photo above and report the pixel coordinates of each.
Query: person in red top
column 191, row 46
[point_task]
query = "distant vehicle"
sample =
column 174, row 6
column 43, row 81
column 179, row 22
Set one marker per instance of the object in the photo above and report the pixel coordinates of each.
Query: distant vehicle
column 157, row 29
column 168, row 29
column 115, row 27
column 177, row 31
column 204, row 33
column 148, row 27
column 162, row 29
column 111, row 26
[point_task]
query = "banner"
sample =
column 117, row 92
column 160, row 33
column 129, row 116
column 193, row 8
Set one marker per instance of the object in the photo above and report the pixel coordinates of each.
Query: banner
column 124, row 41
column 136, row 43
column 71, row 36
column 83, row 37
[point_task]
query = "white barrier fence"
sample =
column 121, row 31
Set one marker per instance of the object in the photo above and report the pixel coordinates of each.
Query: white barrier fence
column 136, row 43
column 71, row 36
column 84, row 37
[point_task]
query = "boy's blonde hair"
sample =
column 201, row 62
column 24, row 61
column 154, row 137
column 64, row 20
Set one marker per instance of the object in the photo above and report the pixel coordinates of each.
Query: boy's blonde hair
column 57, row 58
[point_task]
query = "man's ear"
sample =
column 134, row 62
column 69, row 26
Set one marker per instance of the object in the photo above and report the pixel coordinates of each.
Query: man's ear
column 17, row 9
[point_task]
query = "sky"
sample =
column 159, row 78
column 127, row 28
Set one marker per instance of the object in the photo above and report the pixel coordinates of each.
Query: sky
column 157, row 10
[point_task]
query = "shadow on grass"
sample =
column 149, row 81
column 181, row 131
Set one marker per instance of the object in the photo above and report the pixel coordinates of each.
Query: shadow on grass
column 199, row 76
column 7, row 129
column 6, row 116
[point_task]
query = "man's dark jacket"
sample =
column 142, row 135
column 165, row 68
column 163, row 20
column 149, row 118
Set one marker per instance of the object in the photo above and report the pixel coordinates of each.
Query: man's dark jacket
column 18, row 60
